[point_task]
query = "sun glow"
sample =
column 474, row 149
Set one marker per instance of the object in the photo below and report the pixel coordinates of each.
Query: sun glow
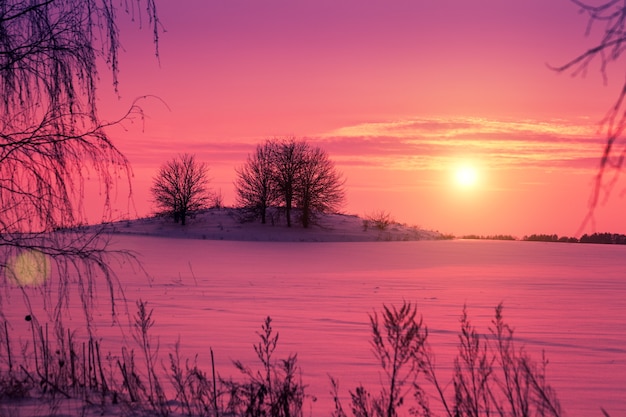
column 466, row 176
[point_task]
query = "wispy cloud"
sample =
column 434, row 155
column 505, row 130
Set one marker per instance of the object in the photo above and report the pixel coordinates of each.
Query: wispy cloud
column 427, row 143
column 435, row 143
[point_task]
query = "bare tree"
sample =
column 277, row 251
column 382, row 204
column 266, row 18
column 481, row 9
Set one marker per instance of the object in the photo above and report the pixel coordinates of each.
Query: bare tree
column 50, row 133
column 611, row 16
column 254, row 184
column 291, row 173
column 320, row 186
column 181, row 187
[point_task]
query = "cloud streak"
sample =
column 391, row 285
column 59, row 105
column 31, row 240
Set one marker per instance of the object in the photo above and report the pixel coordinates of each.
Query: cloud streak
column 435, row 143
column 426, row 143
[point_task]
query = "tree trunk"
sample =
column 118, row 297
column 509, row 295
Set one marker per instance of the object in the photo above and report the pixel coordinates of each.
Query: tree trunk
column 306, row 216
column 288, row 211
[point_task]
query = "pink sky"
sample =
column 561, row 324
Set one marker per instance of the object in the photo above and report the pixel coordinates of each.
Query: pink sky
column 399, row 93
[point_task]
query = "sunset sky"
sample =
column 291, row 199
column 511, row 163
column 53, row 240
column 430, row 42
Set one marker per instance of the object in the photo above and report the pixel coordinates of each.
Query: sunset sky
column 401, row 94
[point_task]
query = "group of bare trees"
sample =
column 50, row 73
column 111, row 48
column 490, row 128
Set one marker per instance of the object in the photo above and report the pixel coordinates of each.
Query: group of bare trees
column 52, row 139
column 284, row 173
column 50, row 129
column 289, row 174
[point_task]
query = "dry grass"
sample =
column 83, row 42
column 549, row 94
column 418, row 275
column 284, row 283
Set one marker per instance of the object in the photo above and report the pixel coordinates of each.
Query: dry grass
column 491, row 375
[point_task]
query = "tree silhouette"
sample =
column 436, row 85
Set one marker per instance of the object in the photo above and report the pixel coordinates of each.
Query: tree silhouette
column 51, row 137
column 181, row 187
column 254, row 183
column 319, row 186
column 291, row 173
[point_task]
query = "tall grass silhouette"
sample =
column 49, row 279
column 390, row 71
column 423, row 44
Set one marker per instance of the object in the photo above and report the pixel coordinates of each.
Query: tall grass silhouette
column 491, row 374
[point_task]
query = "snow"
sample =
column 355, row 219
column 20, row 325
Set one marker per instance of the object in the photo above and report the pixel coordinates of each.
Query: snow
column 562, row 299
column 225, row 224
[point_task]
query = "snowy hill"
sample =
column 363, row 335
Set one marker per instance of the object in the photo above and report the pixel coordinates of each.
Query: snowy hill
column 226, row 224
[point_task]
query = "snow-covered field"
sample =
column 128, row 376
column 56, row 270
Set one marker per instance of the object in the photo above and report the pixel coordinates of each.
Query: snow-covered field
column 566, row 300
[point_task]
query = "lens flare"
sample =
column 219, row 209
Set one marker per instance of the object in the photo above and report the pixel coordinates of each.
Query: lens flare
column 30, row 267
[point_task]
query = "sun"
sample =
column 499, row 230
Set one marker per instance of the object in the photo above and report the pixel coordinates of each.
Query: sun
column 466, row 176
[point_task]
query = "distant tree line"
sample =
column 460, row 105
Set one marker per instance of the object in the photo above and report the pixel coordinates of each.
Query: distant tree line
column 489, row 237
column 602, row 238
column 550, row 238
column 606, row 238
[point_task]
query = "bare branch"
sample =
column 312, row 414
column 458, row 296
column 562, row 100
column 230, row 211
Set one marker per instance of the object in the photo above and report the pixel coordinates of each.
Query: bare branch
column 611, row 14
column 52, row 140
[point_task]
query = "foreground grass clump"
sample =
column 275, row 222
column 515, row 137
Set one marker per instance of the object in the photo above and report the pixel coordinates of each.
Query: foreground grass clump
column 491, row 375
column 55, row 370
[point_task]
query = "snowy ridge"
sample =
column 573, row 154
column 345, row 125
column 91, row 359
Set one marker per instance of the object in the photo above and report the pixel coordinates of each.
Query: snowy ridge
column 226, row 224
